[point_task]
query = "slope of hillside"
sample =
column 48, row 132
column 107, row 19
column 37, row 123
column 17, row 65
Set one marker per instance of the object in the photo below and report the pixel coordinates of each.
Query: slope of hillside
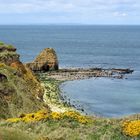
column 20, row 91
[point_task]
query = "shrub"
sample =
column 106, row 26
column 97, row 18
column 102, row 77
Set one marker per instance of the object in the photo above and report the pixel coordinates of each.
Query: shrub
column 131, row 128
column 45, row 115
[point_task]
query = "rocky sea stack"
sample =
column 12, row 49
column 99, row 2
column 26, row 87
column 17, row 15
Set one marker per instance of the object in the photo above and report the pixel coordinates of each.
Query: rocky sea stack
column 20, row 91
column 45, row 61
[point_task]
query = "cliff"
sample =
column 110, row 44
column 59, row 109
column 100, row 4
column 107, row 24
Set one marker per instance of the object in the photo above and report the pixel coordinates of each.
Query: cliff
column 8, row 54
column 20, row 90
column 45, row 61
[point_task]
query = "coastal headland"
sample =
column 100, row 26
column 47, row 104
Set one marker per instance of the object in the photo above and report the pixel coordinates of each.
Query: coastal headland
column 31, row 107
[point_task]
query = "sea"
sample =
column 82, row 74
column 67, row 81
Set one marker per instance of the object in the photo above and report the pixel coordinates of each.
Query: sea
column 87, row 46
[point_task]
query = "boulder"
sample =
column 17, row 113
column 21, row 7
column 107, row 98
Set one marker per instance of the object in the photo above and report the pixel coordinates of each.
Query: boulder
column 45, row 61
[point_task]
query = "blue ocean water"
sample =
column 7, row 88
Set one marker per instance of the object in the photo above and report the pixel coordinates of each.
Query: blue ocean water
column 88, row 46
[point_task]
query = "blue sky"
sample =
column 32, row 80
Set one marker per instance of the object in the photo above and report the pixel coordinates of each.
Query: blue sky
column 69, row 11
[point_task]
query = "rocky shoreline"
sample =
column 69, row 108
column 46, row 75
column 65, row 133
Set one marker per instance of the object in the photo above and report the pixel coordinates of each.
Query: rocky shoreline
column 53, row 97
column 81, row 73
column 52, row 80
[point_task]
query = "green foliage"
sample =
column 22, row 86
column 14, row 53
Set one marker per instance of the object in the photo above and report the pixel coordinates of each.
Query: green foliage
column 1, row 43
column 10, row 46
column 6, row 45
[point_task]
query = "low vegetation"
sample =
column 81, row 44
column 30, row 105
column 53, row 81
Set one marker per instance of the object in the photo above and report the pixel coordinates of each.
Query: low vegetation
column 131, row 128
column 55, row 127
column 2, row 44
column 46, row 115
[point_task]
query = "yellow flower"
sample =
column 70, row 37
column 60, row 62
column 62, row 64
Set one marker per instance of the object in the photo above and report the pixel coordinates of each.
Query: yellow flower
column 44, row 114
column 131, row 128
column 82, row 119
column 56, row 115
column 13, row 120
column 76, row 116
column 71, row 114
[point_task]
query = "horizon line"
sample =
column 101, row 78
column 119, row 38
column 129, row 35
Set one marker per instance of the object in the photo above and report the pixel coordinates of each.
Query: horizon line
column 67, row 24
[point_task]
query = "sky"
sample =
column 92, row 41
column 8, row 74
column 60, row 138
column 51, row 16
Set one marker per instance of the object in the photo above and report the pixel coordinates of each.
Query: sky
column 70, row 12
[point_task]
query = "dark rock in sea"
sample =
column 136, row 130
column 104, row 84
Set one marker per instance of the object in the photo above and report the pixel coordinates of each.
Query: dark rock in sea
column 45, row 61
column 122, row 71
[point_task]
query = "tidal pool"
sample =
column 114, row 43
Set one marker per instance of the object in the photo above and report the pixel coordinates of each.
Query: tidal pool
column 103, row 96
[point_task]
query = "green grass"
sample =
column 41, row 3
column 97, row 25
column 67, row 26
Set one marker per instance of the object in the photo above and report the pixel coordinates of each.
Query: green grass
column 19, row 92
column 1, row 43
column 6, row 45
column 100, row 129
column 15, row 134
column 10, row 46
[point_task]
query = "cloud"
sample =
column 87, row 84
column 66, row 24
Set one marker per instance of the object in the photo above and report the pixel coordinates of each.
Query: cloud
column 71, row 10
column 119, row 14
column 23, row 6
column 32, row 6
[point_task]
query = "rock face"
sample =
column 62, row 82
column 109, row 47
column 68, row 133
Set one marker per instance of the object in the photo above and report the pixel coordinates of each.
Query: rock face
column 45, row 61
column 20, row 90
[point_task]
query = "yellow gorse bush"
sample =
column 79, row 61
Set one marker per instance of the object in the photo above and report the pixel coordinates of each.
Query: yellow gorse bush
column 76, row 116
column 14, row 120
column 45, row 115
column 56, row 115
column 131, row 128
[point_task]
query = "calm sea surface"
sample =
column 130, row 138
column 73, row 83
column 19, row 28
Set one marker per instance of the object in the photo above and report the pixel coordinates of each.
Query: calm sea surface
column 88, row 46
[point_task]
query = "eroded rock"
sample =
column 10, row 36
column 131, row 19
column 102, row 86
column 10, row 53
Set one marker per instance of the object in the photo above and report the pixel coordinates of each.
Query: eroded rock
column 45, row 61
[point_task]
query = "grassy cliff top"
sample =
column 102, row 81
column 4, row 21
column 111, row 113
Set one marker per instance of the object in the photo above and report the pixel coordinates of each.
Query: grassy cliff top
column 4, row 46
